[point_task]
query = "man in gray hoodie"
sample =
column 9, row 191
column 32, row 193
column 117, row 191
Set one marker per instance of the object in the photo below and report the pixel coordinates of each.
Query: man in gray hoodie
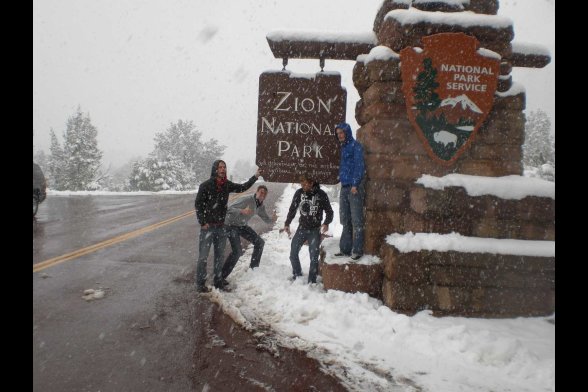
column 239, row 213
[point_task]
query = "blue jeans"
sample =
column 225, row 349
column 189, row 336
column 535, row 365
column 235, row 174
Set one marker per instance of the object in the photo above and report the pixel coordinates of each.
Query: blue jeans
column 314, row 239
column 216, row 236
column 234, row 234
column 351, row 217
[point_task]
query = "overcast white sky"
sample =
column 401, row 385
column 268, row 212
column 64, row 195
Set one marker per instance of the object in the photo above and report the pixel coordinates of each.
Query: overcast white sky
column 136, row 66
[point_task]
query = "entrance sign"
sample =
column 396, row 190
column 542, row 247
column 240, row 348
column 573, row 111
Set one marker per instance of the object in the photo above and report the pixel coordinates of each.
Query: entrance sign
column 296, row 119
column 449, row 91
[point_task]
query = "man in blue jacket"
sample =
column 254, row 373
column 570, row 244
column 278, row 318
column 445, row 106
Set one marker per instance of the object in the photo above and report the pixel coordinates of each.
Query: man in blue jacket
column 352, row 195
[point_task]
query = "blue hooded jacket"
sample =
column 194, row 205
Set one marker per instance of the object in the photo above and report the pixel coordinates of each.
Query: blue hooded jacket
column 352, row 167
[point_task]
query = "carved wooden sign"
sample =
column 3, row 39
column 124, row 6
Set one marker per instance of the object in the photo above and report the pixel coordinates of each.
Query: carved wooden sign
column 296, row 119
column 449, row 90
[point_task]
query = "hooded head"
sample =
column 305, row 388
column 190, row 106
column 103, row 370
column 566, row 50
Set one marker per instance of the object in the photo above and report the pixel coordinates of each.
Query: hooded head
column 346, row 128
column 214, row 171
column 308, row 183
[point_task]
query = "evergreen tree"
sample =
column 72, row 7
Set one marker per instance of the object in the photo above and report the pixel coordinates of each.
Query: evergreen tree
column 156, row 175
column 539, row 146
column 56, row 164
column 426, row 99
column 82, row 158
column 183, row 142
column 241, row 170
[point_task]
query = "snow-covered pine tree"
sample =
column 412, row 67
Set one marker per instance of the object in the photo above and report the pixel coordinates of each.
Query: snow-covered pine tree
column 56, row 164
column 155, row 175
column 82, row 158
column 184, row 142
column 539, row 146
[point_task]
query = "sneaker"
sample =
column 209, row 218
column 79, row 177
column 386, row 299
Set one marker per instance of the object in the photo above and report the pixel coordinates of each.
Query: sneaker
column 222, row 285
column 340, row 254
column 203, row 289
column 355, row 256
column 293, row 278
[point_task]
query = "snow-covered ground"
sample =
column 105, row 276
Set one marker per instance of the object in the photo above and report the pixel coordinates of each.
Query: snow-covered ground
column 372, row 348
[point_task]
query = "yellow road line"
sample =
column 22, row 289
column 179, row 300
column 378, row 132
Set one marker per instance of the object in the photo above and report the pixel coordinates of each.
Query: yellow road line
column 123, row 237
column 92, row 248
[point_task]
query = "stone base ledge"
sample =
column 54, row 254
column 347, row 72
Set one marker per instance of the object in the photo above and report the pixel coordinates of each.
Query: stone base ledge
column 344, row 274
column 352, row 278
column 468, row 284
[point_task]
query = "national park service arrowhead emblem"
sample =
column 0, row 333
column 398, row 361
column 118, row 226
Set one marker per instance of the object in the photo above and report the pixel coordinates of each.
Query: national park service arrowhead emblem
column 449, row 90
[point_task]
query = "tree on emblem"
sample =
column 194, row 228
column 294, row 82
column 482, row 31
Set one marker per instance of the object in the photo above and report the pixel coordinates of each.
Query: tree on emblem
column 426, row 98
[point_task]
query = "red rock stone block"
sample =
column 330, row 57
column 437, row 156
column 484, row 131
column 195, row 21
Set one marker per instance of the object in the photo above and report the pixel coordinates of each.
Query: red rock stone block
column 457, row 276
column 502, row 127
column 505, row 67
column 536, row 231
column 409, row 267
column 387, row 6
column 510, row 102
column 406, row 298
column 489, row 7
column 397, row 36
column 353, row 277
column 537, row 209
column 496, row 152
column 383, row 111
column 360, row 77
column 392, row 137
column 385, row 195
column 384, row 70
column 504, row 83
column 386, row 92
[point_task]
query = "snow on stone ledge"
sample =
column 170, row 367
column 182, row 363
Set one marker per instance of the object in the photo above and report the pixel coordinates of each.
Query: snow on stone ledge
column 530, row 49
column 515, row 89
column 331, row 246
column 411, row 242
column 489, row 53
column 321, row 36
column 507, row 187
column 463, row 19
column 378, row 53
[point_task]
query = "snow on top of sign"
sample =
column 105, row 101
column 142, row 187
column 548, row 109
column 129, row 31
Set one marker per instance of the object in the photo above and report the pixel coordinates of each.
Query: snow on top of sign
column 529, row 48
column 464, row 19
column 515, row 89
column 489, row 53
column 321, row 36
column 459, row 3
column 302, row 75
column 507, row 187
column 378, row 53
column 411, row 242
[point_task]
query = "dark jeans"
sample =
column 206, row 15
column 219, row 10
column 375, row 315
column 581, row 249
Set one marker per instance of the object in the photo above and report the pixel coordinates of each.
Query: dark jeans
column 216, row 236
column 314, row 239
column 234, row 234
column 351, row 217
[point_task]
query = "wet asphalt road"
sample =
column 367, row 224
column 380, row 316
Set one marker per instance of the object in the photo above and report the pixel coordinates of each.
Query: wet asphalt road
column 150, row 331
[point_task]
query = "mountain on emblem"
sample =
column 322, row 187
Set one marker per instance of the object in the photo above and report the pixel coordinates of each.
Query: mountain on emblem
column 449, row 91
